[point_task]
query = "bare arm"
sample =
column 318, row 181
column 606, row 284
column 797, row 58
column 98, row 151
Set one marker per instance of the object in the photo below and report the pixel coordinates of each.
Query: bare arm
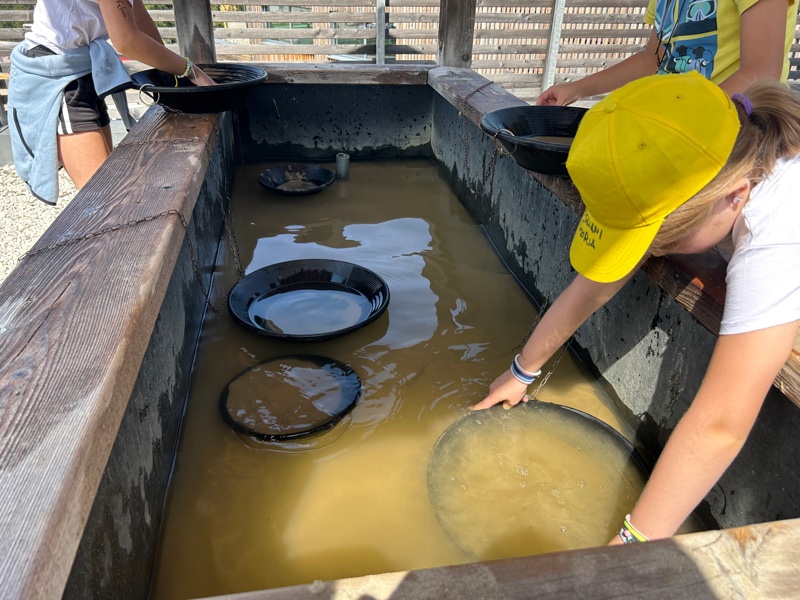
column 133, row 42
column 145, row 22
column 761, row 47
column 637, row 65
column 714, row 429
column 575, row 304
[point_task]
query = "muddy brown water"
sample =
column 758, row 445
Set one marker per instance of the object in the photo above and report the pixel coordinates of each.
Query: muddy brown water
column 244, row 515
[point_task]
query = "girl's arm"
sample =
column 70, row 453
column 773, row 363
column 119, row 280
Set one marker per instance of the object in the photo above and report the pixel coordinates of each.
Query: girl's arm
column 714, row 429
column 637, row 65
column 762, row 52
column 575, row 304
column 145, row 22
column 133, row 42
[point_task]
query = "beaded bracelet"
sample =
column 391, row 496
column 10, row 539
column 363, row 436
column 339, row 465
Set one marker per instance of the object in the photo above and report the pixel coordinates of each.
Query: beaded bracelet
column 629, row 534
column 521, row 374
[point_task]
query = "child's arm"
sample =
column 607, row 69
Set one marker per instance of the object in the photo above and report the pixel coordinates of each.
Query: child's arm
column 761, row 47
column 145, row 22
column 130, row 40
column 575, row 304
column 641, row 64
column 714, row 429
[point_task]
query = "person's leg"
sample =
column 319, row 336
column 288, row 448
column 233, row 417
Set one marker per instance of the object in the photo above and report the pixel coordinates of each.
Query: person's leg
column 82, row 153
column 84, row 131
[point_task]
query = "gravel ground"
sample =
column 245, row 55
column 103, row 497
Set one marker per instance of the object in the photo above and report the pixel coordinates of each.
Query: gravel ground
column 23, row 218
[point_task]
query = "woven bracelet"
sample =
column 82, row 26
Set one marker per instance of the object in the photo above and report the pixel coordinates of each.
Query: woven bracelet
column 188, row 70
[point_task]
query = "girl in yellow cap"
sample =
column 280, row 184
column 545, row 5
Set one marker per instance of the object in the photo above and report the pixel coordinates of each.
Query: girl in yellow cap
column 671, row 164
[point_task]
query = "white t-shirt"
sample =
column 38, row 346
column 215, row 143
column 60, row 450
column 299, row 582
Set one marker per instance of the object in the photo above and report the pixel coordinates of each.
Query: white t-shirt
column 66, row 24
column 763, row 278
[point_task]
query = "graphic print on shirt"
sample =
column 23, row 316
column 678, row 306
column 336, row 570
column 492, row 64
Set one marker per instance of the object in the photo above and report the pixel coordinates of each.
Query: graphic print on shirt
column 692, row 44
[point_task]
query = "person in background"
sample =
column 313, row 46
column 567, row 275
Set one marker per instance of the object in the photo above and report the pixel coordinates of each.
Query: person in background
column 734, row 43
column 671, row 165
column 60, row 74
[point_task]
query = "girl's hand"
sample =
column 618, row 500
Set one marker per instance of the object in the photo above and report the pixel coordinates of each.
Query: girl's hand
column 506, row 389
column 560, row 95
column 198, row 77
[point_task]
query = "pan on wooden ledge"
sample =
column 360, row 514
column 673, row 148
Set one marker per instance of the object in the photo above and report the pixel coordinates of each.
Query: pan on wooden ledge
column 234, row 83
column 538, row 138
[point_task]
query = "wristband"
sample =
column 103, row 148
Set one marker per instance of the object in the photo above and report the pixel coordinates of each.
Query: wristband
column 629, row 534
column 521, row 374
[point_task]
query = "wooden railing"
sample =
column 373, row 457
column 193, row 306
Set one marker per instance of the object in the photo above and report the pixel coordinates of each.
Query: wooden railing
column 523, row 45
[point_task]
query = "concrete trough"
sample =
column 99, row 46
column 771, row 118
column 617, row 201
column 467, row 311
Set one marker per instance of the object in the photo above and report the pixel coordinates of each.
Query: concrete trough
column 98, row 327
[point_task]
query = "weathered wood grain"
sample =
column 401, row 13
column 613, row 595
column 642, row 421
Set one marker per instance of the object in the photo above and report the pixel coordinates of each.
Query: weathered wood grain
column 337, row 73
column 758, row 561
column 74, row 324
column 195, row 28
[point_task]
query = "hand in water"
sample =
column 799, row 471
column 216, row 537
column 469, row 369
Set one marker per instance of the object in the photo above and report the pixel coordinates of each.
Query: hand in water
column 198, row 77
column 506, row 389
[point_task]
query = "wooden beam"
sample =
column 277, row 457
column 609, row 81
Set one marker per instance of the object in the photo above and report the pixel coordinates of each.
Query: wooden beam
column 195, row 30
column 556, row 23
column 758, row 561
column 456, row 25
column 75, row 322
column 380, row 32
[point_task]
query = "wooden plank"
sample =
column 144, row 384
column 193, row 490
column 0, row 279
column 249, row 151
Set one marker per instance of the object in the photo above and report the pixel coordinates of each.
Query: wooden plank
column 74, row 325
column 195, row 30
column 380, row 32
column 456, row 23
column 472, row 94
column 236, row 50
column 343, row 73
column 758, row 561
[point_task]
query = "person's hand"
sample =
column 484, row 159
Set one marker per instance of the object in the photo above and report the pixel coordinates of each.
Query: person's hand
column 559, row 95
column 506, row 389
column 198, row 77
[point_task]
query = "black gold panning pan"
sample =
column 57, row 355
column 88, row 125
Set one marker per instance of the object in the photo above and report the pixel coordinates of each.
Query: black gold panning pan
column 538, row 478
column 289, row 397
column 309, row 300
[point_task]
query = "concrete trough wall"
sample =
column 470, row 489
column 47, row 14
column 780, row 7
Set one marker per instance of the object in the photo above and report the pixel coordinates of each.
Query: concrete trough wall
column 649, row 352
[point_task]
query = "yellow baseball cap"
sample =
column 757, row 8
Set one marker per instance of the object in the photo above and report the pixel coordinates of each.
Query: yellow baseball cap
column 639, row 154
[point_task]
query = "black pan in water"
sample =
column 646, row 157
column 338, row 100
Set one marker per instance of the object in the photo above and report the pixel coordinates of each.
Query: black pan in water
column 537, row 478
column 289, row 397
column 296, row 179
column 309, row 299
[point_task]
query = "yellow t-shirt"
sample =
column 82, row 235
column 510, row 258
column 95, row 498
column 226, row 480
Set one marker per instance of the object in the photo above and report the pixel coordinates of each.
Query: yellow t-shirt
column 706, row 38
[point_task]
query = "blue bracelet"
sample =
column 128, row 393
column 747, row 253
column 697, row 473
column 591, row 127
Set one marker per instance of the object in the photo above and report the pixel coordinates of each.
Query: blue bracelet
column 521, row 374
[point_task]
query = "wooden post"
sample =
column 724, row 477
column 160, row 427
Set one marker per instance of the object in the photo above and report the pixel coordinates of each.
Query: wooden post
column 550, row 59
column 380, row 32
column 456, row 32
column 195, row 30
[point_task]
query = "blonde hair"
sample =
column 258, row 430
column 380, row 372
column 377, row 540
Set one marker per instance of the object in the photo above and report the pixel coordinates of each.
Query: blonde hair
column 769, row 133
